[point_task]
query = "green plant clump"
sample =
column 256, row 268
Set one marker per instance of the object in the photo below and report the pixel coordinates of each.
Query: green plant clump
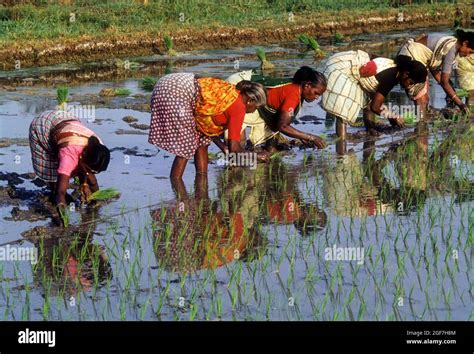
column 61, row 94
column 262, row 56
column 169, row 46
column 148, row 84
column 104, row 194
column 312, row 44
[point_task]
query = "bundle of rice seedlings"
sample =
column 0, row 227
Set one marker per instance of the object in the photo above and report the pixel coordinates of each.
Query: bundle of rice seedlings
column 61, row 95
column 265, row 64
column 169, row 46
column 462, row 93
column 212, row 155
column 111, row 92
column 409, row 118
column 122, row 92
column 148, row 84
column 104, row 194
column 312, row 44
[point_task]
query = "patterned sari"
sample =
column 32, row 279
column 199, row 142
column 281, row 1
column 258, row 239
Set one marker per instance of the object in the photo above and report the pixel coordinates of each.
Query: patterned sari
column 47, row 132
column 215, row 97
column 182, row 108
column 347, row 91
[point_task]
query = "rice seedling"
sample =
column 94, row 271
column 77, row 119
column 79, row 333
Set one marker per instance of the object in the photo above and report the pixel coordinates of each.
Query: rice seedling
column 104, row 194
column 312, row 44
column 62, row 93
column 462, row 93
column 65, row 216
column 337, row 38
column 264, row 63
column 122, row 92
column 113, row 92
column 168, row 42
column 148, row 83
column 409, row 118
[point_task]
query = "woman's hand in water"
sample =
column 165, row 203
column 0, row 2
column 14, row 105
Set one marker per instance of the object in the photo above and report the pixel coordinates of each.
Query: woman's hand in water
column 263, row 156
column 316, row 140
column 398, row 122
column 465, row 108
column 85, row 192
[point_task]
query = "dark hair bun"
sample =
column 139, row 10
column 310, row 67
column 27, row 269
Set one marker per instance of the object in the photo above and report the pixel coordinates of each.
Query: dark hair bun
column 307, row 74
column 465, row 35
column 93, row 141
column 96, row 155
column 244, row 85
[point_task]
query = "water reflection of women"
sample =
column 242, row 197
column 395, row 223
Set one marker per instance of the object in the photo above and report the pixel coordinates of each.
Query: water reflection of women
column 271, row 192
column 408, row 173
column 401, row 174
column 283, row 202
column 70, row 262
column 194, row 232
column 347, row 189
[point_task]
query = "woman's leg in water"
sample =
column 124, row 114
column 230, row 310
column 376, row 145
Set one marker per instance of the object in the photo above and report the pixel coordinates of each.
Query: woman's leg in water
column 177, row 170
column 341, row 132
column 422, row 106
column 201, row 159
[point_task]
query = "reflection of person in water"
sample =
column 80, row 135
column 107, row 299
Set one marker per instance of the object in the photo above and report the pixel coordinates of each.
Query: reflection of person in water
column 283, row 203
column 346, row 190
column 71, row 263
column 400, row 176
column 194, row 233
column 407, row 174
column 271, row 192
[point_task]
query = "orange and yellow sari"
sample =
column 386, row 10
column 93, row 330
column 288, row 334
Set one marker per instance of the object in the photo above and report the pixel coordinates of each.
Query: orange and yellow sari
column 215, row 97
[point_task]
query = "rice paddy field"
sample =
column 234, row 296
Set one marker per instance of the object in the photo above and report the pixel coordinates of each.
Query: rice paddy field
column 383, row 231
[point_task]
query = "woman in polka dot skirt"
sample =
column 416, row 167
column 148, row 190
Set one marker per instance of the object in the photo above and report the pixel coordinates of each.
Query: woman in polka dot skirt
column 187, row 113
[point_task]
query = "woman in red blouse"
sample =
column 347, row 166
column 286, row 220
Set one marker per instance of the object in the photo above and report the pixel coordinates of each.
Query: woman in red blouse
column 283, row 103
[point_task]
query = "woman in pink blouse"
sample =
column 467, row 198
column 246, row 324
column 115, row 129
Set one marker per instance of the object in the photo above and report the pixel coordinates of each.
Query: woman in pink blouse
column 61, row 148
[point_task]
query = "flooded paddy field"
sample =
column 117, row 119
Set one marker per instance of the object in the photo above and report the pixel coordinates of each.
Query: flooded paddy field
column 383, row 231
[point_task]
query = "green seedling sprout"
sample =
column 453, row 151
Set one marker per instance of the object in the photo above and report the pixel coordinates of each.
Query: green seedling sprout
column 148, row 83
column 122, row 92
column 312, row 44
column 104, row 194
column 62, row 93
column 262, row 56
column 169, row 46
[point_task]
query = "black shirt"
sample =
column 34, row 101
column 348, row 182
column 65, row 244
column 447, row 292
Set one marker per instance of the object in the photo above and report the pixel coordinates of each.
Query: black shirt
column 387, row 80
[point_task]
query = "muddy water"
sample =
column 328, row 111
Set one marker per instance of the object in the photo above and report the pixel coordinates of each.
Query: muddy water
column 404, row 200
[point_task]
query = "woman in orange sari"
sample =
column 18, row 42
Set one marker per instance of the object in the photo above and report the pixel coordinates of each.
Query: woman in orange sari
column 187, row 113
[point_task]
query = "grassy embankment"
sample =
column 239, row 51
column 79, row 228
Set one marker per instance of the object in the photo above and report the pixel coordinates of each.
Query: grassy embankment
column 41, row 32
